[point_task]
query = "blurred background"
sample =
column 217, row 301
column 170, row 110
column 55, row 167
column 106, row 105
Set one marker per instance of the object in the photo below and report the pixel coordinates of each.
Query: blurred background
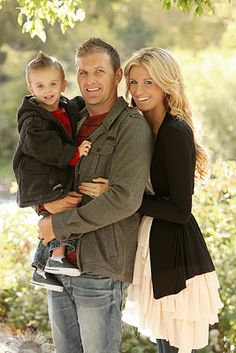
column 205, row 47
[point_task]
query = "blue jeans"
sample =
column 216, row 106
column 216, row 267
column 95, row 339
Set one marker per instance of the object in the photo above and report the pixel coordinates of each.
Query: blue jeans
column 43, row 252
column 86, row 316
column 163, row 346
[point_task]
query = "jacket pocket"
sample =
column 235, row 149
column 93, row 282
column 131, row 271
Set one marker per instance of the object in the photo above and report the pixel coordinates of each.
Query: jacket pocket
column 40, row 183
column 98, row 162
column 32, row 179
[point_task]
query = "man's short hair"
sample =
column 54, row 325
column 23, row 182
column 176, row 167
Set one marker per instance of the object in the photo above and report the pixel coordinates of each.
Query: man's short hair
column 93, row 45
column 42, row 61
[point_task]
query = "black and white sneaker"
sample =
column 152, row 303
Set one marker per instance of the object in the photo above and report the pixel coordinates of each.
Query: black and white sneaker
column 47, row 282
column 62, row 267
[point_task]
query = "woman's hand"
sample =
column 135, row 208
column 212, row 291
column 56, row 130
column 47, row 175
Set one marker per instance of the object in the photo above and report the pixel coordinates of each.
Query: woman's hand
column 72, row 200
column 95, row 188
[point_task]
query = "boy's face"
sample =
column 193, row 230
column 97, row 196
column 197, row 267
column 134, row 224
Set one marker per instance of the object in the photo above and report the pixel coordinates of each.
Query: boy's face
column 46, row 86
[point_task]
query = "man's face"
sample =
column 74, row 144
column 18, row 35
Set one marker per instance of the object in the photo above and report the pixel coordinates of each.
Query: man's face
column 97, row 81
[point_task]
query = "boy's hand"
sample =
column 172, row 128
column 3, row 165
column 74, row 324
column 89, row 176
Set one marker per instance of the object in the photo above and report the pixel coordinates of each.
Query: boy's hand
column 45, row 230
column 84, row 148
column 72, row 200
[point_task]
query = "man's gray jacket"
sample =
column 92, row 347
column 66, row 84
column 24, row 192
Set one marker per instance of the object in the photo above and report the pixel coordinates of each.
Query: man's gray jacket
column 107, row 226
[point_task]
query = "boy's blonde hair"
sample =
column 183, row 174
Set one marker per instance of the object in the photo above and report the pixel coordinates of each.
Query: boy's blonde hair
column 42, row 61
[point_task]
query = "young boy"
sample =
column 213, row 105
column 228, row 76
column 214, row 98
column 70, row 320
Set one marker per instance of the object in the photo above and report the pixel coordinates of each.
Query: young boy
column 45, row 157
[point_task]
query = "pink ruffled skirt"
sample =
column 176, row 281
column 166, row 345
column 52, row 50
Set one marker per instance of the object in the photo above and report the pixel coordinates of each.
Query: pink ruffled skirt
column 182, row 319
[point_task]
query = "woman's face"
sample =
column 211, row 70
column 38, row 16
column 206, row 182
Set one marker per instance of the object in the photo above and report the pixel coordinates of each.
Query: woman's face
column 145, row 92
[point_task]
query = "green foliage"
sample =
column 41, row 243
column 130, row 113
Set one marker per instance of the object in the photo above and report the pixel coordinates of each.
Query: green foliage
column 133, row 342
column 35, row 14
column 21, row 304
column 212, row 91
column 197, row 6
column 1, row 3
column 12, row 90
column 214, row 208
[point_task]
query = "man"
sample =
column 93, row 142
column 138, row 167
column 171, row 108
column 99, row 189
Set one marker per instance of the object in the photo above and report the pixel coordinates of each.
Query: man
column 86, row 317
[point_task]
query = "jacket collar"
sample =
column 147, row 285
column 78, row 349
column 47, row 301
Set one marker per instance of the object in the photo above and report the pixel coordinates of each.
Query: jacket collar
column 115, row 111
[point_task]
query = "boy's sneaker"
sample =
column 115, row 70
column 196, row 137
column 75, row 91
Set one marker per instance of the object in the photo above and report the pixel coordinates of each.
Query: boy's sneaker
column 50, row 282
column 62, row 267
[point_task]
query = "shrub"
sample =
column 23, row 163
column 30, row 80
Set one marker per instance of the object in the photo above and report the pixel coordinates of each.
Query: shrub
column 215, row 210
column 21, row 304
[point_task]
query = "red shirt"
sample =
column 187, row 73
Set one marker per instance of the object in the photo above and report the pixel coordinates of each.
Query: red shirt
column 61, row 115
column 90, row 125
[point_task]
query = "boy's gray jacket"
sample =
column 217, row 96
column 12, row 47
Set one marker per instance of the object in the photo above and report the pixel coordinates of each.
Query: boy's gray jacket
column 108, row 225
column 45, row 148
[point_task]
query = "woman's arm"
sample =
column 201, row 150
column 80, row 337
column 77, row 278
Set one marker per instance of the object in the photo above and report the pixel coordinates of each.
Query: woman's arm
column 179, row 161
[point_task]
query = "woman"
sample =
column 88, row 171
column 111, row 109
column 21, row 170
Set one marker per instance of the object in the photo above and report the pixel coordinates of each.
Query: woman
column 174, row 295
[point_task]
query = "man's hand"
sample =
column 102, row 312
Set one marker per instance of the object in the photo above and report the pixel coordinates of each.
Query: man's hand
column 72, row 200
column 45, row 230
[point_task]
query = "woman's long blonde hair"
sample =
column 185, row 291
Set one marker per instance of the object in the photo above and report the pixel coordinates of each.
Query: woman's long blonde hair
column 165, row 71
